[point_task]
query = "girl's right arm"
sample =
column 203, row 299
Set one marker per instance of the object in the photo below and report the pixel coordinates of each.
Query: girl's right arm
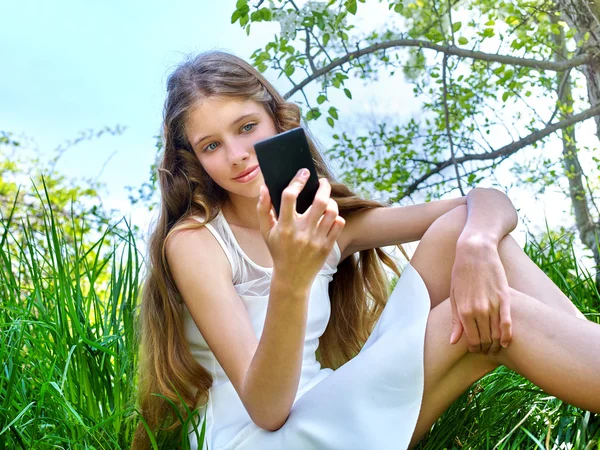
column 299, row 246
column 273, row 377
column 265, row 373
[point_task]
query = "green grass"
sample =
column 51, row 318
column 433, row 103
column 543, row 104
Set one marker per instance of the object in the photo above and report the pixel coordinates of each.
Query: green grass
column 67, row 344
column 68, row 350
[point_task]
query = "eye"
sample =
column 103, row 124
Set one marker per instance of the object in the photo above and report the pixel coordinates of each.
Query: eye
column 243, row 128
column 208, row 146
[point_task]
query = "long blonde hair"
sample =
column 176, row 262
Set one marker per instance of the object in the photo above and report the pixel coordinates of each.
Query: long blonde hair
column 358, row 291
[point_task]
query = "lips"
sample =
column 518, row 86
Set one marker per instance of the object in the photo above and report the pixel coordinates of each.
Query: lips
column 247, row 171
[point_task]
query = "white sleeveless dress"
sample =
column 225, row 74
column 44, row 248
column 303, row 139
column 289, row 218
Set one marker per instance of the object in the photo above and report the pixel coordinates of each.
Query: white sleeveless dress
column 371, row 402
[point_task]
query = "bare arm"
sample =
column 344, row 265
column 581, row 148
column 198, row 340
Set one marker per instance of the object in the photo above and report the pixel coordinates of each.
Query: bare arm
column 490, row 216
column 272, row 379
column 298, row 245
column 265, row 373
column 479, row 287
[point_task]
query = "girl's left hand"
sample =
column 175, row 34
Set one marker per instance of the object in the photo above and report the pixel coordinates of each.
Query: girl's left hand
column 480, row 296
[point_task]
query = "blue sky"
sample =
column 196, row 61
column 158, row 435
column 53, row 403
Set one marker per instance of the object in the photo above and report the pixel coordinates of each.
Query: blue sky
column 74, row 66
column 70, row 66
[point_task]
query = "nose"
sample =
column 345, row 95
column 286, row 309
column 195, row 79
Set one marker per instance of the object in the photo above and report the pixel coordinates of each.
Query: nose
column 238, row 151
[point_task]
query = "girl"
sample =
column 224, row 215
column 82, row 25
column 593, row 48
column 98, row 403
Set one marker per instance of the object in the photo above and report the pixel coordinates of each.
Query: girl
column 280, row 330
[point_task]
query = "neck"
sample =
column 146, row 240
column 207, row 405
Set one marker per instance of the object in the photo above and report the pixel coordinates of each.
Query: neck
column 242, row 212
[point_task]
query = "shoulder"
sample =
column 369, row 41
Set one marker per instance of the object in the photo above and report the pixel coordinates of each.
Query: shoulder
column 191, row 245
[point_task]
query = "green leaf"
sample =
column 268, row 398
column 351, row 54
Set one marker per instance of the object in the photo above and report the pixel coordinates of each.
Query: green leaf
column 330, row 122
column 463, row 40
column 351, row 5
column 289, row 70
column 313, row 114
column 517, row 44
column 235, row 16
column 241, row 3
column 256, row 16
column 326, row 38
column 267, row 14
column 505, row 96
column 321, row 98
column 333, row 112
column 456, row 26
column 348, row 93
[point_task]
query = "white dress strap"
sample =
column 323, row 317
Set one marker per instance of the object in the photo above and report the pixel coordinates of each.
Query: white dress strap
column 221, row 242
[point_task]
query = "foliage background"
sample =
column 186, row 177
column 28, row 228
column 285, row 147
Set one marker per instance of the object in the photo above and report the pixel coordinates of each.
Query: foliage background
column 71, row 264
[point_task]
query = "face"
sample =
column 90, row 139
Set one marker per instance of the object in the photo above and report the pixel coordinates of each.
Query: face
column 223, row 141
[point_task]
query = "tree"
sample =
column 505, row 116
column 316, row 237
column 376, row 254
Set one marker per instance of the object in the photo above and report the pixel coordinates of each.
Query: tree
column 484, row 72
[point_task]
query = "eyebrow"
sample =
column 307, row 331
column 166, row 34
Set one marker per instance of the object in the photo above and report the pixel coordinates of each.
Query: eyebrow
column 232, row 123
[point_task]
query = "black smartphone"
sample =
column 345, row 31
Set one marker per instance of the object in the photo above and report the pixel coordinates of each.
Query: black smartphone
column 280, row 158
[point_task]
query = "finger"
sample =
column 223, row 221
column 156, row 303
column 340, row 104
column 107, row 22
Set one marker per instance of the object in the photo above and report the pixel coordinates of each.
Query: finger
column 336, row 229
column 472, row 332
column 456, row 323
column 328, row 218
column 289, row 196
column 459, row 331
column 264, row 209
column 505, row 322
column 495, row 324
column 320, row 202
column 485, row 332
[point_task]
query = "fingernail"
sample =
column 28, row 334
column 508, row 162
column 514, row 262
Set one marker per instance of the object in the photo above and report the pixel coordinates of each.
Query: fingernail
column 302, row 172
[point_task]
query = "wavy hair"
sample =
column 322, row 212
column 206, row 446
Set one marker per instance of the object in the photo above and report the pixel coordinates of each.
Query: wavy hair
column 358, row 292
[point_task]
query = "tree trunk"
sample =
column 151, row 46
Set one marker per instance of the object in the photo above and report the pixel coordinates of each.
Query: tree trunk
column 589, row 230
column 584, row 17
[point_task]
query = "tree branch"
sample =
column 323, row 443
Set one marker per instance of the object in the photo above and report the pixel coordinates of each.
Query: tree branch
column 510, row 148
column 308, row 56
column 447, row 117
column 448, row 50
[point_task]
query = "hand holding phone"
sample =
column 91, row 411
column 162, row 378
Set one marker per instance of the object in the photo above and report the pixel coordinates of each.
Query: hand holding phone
column 299, row 244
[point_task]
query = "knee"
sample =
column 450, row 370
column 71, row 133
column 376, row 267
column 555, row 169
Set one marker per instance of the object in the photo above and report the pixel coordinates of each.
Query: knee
column 449, row 225
column 438, row 244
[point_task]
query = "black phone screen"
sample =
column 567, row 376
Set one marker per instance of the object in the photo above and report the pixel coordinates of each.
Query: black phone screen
column 280, row 157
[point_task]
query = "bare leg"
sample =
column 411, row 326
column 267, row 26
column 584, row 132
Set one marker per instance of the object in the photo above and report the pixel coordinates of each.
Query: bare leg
column 451, row 369
column 555, row 351
column 522, row 273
